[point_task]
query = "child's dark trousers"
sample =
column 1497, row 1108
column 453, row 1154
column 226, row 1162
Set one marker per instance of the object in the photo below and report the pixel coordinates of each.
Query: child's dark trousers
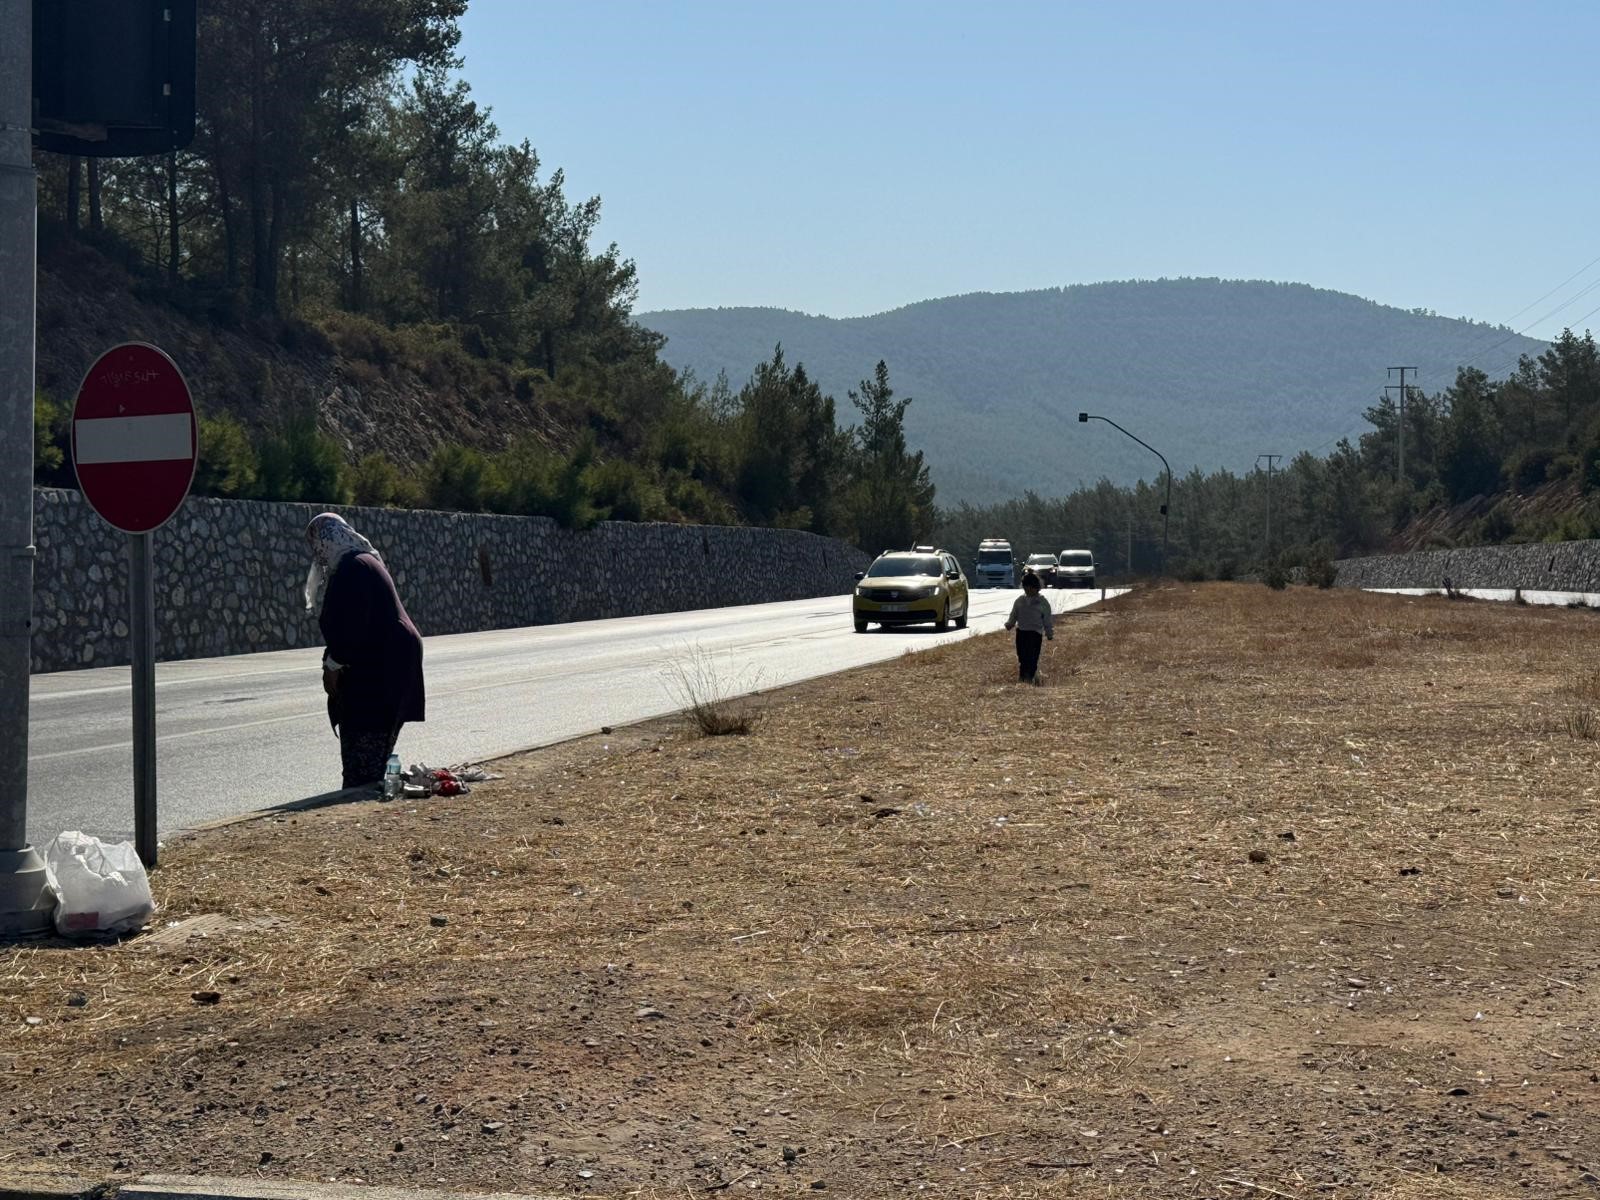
column 1028, row 647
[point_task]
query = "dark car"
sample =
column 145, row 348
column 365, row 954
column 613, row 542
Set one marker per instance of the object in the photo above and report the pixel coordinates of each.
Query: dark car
column 1044, row 566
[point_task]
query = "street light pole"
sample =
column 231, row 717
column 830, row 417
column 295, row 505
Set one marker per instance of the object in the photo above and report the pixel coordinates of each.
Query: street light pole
column 25, row 903
column 1165, row 516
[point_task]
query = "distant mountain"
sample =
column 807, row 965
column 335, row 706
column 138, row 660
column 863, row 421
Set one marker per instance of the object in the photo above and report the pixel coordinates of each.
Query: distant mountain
column 1211, row 372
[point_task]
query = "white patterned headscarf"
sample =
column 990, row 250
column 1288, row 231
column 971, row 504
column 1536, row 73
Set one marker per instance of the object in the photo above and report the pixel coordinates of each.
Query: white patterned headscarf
column 331, row 539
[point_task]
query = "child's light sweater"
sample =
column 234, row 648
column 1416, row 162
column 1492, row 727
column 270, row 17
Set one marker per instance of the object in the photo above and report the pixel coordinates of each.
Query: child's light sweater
column 1031, row 614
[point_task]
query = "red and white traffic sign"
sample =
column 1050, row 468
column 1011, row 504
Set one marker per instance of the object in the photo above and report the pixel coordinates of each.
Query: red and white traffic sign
column 134, row 440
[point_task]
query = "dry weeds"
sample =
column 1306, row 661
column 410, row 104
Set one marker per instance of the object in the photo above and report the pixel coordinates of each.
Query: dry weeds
column 1263, row 894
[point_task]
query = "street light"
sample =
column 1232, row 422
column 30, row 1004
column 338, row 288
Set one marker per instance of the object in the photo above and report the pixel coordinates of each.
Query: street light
column 1085, row 417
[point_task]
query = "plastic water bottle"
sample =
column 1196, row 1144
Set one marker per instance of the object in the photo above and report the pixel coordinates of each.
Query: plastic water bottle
column 391, row 778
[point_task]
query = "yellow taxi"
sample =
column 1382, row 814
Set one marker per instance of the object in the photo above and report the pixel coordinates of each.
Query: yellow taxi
column 907, row 587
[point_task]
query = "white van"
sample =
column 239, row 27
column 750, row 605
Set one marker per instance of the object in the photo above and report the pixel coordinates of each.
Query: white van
column 995, row 566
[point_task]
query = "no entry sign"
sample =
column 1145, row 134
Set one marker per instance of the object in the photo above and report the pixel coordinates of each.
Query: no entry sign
column 134, row 441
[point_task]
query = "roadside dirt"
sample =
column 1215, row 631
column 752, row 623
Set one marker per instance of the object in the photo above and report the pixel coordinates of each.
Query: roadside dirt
column 1262, row 894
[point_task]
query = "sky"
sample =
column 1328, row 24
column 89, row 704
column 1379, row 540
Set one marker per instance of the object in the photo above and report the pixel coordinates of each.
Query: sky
column 849, row 158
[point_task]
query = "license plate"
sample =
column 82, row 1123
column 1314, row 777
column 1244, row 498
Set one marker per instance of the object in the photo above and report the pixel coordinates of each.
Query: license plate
column 893, row 607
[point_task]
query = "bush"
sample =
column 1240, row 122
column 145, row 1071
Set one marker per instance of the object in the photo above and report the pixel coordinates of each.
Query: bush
column 228, row 466
column 625, row 491
column 1497, row 525
column 693, row 501
column 1276, row 576
column 374, row 482
column 49, row 428
column 1320, row 571
column 1562, row 466
column 302, row 464
column 458, row 480
column 1529, row 467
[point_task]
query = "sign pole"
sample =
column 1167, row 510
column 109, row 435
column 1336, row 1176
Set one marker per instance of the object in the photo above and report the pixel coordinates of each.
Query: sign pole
column 142, row 626
column 134, row 448
column 25, row 904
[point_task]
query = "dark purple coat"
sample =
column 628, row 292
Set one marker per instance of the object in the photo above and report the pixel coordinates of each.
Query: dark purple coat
column 367, row 630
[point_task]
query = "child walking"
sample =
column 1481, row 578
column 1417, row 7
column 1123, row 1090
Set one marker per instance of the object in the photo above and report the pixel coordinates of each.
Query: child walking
column 1031, row 618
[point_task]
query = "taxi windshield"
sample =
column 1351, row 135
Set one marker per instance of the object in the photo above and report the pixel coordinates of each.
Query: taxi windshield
column 905, row 564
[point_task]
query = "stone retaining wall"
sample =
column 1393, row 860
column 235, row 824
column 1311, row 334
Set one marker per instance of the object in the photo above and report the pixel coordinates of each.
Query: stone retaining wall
column 230, row 574
column 1547, row 566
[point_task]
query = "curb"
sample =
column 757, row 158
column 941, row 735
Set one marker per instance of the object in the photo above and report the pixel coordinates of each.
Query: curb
column 208, row 1187
column 44, row 1183
column 48, row 1184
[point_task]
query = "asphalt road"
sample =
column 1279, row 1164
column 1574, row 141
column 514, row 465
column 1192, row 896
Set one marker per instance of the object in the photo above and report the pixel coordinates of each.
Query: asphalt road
column 248, row 732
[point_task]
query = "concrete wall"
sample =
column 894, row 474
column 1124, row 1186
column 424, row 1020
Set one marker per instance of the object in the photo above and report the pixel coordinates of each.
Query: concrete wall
column 230, row 574
column 1551, row 566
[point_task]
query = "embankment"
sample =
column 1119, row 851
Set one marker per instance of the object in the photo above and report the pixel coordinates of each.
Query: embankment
column 1547, row 566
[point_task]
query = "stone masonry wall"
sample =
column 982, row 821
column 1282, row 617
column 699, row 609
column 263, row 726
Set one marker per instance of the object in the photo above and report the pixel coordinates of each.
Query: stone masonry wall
column 1539, row 566
column 230, row 574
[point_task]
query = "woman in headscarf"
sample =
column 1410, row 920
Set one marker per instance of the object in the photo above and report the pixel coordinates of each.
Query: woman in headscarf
column 372, row 670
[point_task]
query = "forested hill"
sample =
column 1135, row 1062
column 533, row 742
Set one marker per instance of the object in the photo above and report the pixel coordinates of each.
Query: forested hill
column 1212, row 372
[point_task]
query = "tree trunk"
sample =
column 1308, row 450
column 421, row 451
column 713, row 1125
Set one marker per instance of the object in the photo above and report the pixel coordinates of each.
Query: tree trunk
column 355, row 255
column 74, row 202
column 267, row 268
column 230, row 230
column 263, row 264
column 96, row 224
column 173, row 248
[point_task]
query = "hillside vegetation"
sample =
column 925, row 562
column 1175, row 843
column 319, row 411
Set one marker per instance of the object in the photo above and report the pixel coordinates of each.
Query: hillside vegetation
column 1212, row 372
column 1486, row 461
column 376, row 298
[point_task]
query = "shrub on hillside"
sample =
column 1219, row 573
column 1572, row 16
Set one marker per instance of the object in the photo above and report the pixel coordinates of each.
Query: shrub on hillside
column 374, row 482
column 1276, row 576
column 457, row 480
column 1320, row 571
column 229, row 466
column 49, row 436
column 1528, row 467
column 625, row 491
column 301, row 463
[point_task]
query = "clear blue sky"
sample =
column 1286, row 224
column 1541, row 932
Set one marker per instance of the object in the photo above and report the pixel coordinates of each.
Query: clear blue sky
column 846, row 158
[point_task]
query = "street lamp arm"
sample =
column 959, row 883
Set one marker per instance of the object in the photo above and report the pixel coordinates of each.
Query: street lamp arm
column 1142, row 442
column 1166, row 507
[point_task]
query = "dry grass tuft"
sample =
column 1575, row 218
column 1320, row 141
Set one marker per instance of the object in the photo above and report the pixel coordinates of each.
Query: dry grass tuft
column 713, row 699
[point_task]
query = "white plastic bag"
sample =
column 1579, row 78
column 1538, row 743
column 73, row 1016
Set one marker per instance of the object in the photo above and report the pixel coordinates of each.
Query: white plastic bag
column 100, row 888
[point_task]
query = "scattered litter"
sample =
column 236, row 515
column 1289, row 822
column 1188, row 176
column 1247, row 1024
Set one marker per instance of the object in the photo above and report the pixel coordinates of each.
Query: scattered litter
column 420, row 779
column 99, row 887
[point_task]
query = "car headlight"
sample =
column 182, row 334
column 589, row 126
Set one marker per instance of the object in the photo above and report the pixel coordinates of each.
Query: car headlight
column 862, row 592
column 923, row 593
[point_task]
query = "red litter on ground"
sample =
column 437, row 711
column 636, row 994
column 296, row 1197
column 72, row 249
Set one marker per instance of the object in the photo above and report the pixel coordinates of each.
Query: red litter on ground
column 134, row 440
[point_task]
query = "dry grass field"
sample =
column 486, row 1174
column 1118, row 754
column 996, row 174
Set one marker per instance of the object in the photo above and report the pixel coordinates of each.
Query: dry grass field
column 1263, row 894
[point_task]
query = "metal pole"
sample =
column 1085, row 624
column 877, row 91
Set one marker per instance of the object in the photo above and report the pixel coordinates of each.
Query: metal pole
column 1400, row 423
column 1272, row 461
column 142, row 625
column 25, row 903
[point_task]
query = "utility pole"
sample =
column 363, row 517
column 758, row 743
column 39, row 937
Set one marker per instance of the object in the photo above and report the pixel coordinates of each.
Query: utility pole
column 1400, row 421
column 25, row 904
column 1272, row 461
